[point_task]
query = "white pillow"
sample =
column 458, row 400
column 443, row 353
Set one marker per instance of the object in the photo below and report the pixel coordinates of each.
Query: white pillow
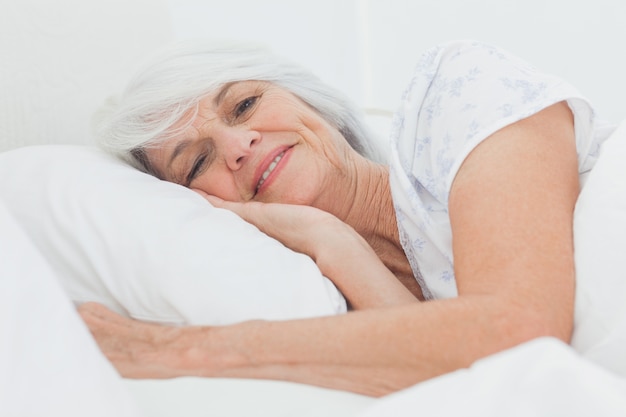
column 150, row 249
column 600, row 249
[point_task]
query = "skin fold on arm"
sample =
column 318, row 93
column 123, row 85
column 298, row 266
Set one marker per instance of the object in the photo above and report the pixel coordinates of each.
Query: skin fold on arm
column 511, row 209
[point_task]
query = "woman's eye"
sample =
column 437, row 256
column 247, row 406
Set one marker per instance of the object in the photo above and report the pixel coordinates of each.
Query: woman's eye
column 243, row 106
column 196, row 168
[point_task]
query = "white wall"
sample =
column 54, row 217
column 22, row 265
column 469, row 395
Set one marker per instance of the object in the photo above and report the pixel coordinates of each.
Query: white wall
column 368, row 47
column 320, row 34
column 582, row 41
column 59, row 59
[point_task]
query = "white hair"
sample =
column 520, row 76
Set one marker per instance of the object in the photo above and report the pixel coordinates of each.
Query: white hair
column 169, row 88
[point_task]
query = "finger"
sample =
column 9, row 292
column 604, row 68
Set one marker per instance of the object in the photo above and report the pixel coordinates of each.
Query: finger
column 92, row 308
column 92, row 312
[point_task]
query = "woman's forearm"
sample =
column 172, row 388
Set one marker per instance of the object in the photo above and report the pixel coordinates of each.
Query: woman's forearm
column 372, row 352
column 350, row 262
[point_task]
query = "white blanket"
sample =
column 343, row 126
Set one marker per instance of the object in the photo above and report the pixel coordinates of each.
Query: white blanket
column 600, row 245
column 541, row 378
column 49, row 364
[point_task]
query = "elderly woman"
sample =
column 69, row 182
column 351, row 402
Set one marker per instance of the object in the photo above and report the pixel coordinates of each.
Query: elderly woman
column 458, row 247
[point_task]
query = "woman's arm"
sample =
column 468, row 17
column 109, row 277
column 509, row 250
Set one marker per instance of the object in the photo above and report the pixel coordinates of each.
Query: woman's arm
column 511, row 207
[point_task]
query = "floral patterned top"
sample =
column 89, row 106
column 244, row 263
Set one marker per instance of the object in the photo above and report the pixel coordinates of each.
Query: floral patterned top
column 462, row 92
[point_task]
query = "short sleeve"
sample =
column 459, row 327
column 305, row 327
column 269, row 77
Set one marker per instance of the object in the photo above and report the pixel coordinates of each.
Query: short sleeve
column 461, row 93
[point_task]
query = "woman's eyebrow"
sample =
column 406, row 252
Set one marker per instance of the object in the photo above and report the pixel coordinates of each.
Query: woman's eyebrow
column 222, row 93
column 178, row 149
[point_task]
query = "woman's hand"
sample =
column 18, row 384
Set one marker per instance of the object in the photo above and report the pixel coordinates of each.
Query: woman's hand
column 338, row 250
column 136, row 349
column 301, row 228
column 146, row 350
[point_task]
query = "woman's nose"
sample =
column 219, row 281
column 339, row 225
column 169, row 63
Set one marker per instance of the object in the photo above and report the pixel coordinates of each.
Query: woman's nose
column 237, row 143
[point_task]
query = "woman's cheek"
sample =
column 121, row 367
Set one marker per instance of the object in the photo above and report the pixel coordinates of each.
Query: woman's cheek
column 222, row 186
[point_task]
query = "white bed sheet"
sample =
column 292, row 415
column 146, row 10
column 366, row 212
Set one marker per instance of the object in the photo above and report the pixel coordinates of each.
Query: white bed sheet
column 200, row 397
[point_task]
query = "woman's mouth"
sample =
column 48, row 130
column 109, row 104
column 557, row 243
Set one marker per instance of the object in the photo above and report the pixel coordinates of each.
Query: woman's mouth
column 269, row 170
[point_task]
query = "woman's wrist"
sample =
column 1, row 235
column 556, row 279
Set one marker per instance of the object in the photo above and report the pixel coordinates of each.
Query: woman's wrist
column 212, row 351
column 351, row 263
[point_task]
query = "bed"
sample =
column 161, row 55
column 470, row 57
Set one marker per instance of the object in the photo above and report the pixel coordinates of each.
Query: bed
column 75, row 220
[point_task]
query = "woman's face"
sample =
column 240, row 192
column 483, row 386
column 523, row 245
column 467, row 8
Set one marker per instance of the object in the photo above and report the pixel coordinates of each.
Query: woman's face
column 253, row 140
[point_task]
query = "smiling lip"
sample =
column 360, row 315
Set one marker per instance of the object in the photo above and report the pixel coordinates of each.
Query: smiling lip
column 268, row 167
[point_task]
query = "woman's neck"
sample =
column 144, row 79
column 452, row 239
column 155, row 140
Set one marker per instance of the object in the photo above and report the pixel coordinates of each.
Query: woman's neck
column 370, row 209
column 367, row 206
